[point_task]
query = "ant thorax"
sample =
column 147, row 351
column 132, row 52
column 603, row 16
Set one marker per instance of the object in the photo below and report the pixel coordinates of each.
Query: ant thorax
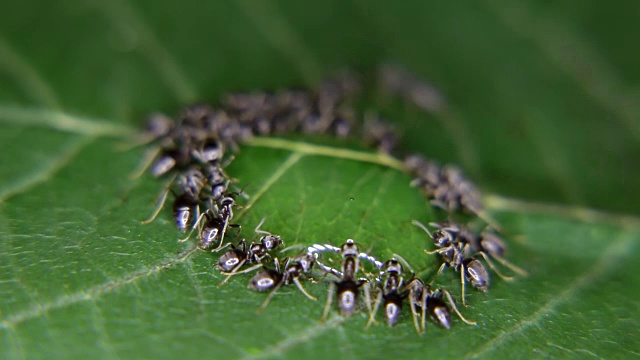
column 350, row 267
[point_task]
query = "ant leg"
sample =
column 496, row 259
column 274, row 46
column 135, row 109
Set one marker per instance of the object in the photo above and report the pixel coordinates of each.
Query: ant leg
column 455, row 308
column 371, row 259
column 193, row 228
column 162, row 198
column 327, row 307
column 257, row 229
column 483, row 215
column 441, row 269
column 367, row 296
column 511, row 266
column 404, row 262
column 247, row 270
column 232, row 272
column 293, row 247
column 436, row 251
column 268, row 299
column 423, row 309
column 329, row 270
column 438, row 204
column 221, row 247
column 421, row 226
column 224, row 230
column 490, row 263
column 462, row 284
column 414, row 314
column 302, row 289
column 375, row 310
column 146, row 162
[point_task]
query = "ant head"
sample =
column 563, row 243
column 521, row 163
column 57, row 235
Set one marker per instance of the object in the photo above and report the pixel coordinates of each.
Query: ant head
column 392, row 266
column 349, row 248
column 442, row 238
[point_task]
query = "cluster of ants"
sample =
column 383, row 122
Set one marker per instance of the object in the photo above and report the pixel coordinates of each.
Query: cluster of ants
column 192, row 153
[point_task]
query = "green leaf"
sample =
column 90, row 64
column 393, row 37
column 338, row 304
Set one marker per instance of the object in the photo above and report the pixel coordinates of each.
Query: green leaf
column 542, row 113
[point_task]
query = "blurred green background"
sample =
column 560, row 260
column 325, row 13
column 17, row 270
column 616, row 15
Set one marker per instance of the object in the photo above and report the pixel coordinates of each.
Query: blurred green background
column 542, row 107
column 543, row 97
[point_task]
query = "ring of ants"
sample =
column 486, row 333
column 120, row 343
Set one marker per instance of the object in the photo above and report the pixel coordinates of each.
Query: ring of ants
column 194, row 148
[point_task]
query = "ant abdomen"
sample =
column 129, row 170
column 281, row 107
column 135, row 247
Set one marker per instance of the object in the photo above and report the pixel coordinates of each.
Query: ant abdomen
column 182, row 211
column 476, row 274
column 439, row 311
column 265, row 280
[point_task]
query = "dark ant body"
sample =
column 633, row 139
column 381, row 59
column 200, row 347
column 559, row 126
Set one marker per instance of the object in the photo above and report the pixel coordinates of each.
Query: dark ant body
column 454, row 254
column 273, row 279
column 186, row 204
column 348, row 286
column 446, row 187
column 390, row 293
column 422, row 297
column 231, row 261
column 212, row 226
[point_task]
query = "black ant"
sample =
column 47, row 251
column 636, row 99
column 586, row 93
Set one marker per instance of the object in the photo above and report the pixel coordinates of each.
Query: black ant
column 487, row 244
column 273, row 279
column 231, row 261
column 186, row 203
column 491, row 244
column 391, row 292
column 216, row 222
column 422, row 297
column 454, row 254
column 348, row 286
column 446, row 187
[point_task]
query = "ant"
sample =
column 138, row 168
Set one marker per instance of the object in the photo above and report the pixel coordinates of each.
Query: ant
column 422, row 297
column 218, row 218
column 390, row 292
column 231, row 261
column 454, row 254
column 294, row 268
column 446, row 187
column 273, row 279
column 488, row 245
column 186, row 203
column 348, row 286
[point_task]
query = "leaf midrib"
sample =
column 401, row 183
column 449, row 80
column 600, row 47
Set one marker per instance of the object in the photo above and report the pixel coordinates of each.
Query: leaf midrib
column 98, row 128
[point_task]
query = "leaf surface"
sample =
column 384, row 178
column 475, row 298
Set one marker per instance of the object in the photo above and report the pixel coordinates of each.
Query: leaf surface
column 541, row 111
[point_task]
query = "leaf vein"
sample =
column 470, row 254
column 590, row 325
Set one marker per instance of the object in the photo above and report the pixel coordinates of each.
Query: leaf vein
column 285, row 345
column 61, row 121
column 95, row 291
column 119, row 12
column 23, row 72
column 46, row 171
